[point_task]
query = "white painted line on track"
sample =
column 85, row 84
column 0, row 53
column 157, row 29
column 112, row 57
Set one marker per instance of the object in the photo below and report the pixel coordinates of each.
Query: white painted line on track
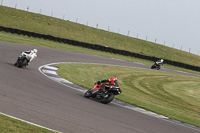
column 50, row 72
column 49, row 67
column 29, row 122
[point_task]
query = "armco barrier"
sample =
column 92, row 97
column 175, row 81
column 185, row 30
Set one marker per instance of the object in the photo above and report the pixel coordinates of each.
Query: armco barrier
column 96, row 47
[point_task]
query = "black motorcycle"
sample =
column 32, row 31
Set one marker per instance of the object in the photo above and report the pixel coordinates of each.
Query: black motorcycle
column 156, row 66
column 104, row 96
column 22, row 61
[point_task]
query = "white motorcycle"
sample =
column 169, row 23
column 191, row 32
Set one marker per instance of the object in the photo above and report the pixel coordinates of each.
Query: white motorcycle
column 25, row 58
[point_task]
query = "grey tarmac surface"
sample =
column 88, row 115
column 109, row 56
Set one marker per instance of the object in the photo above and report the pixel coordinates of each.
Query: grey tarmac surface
column 29, row 95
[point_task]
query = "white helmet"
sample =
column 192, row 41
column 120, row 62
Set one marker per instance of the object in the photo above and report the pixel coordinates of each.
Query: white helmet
column 35, row 50
column 161, row 60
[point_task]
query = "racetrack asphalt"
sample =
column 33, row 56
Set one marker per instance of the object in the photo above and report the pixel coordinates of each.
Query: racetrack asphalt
column 27, row 94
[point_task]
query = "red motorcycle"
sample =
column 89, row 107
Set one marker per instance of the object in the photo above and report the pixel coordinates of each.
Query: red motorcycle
column 105, row 96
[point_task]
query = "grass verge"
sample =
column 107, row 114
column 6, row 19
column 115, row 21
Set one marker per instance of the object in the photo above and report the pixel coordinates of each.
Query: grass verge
column 173, row 95
column 10, row 125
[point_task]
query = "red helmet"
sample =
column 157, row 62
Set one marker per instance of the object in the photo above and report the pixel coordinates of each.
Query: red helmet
column 115, row 77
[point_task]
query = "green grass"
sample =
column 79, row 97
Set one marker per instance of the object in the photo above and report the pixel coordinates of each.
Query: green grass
column 173, row 95
column 65, row 29
column 10, row 125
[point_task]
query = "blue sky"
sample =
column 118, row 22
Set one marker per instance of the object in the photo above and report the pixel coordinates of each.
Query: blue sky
column 175, row 22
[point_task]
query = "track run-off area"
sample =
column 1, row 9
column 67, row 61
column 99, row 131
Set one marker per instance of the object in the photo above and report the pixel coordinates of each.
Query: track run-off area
column 28, row 95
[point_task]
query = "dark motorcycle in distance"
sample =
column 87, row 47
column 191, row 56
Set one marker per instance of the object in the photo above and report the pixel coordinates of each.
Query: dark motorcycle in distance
column 104, row 96
column 156, row 66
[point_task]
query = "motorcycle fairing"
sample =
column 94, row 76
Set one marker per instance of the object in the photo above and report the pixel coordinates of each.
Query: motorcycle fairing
column 96, row 88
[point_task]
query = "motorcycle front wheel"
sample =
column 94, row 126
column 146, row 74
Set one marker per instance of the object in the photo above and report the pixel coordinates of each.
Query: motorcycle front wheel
column 107, row 99
column 22, row 62
column 88, row 94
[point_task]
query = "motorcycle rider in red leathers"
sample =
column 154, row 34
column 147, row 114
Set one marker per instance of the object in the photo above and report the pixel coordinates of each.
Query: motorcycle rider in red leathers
column 108, row 83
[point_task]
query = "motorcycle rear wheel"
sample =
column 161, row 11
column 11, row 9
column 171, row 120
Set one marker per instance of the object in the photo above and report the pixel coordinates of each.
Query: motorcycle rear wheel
column 158, row 68
column 153, row 66
column 108, row 99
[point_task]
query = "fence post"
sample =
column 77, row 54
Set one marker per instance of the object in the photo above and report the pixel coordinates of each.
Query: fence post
column 16, row 6
column 146, row 38
column 1, row 2
column 164, row 43
column 27, row 8
column 128, row 32
column 155, row 40
column 52, row 14
column 97, row 25
column 108, row 28
column 137, row 36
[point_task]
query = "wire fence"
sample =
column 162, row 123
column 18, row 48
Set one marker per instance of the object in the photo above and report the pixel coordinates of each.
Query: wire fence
column 129, row 33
